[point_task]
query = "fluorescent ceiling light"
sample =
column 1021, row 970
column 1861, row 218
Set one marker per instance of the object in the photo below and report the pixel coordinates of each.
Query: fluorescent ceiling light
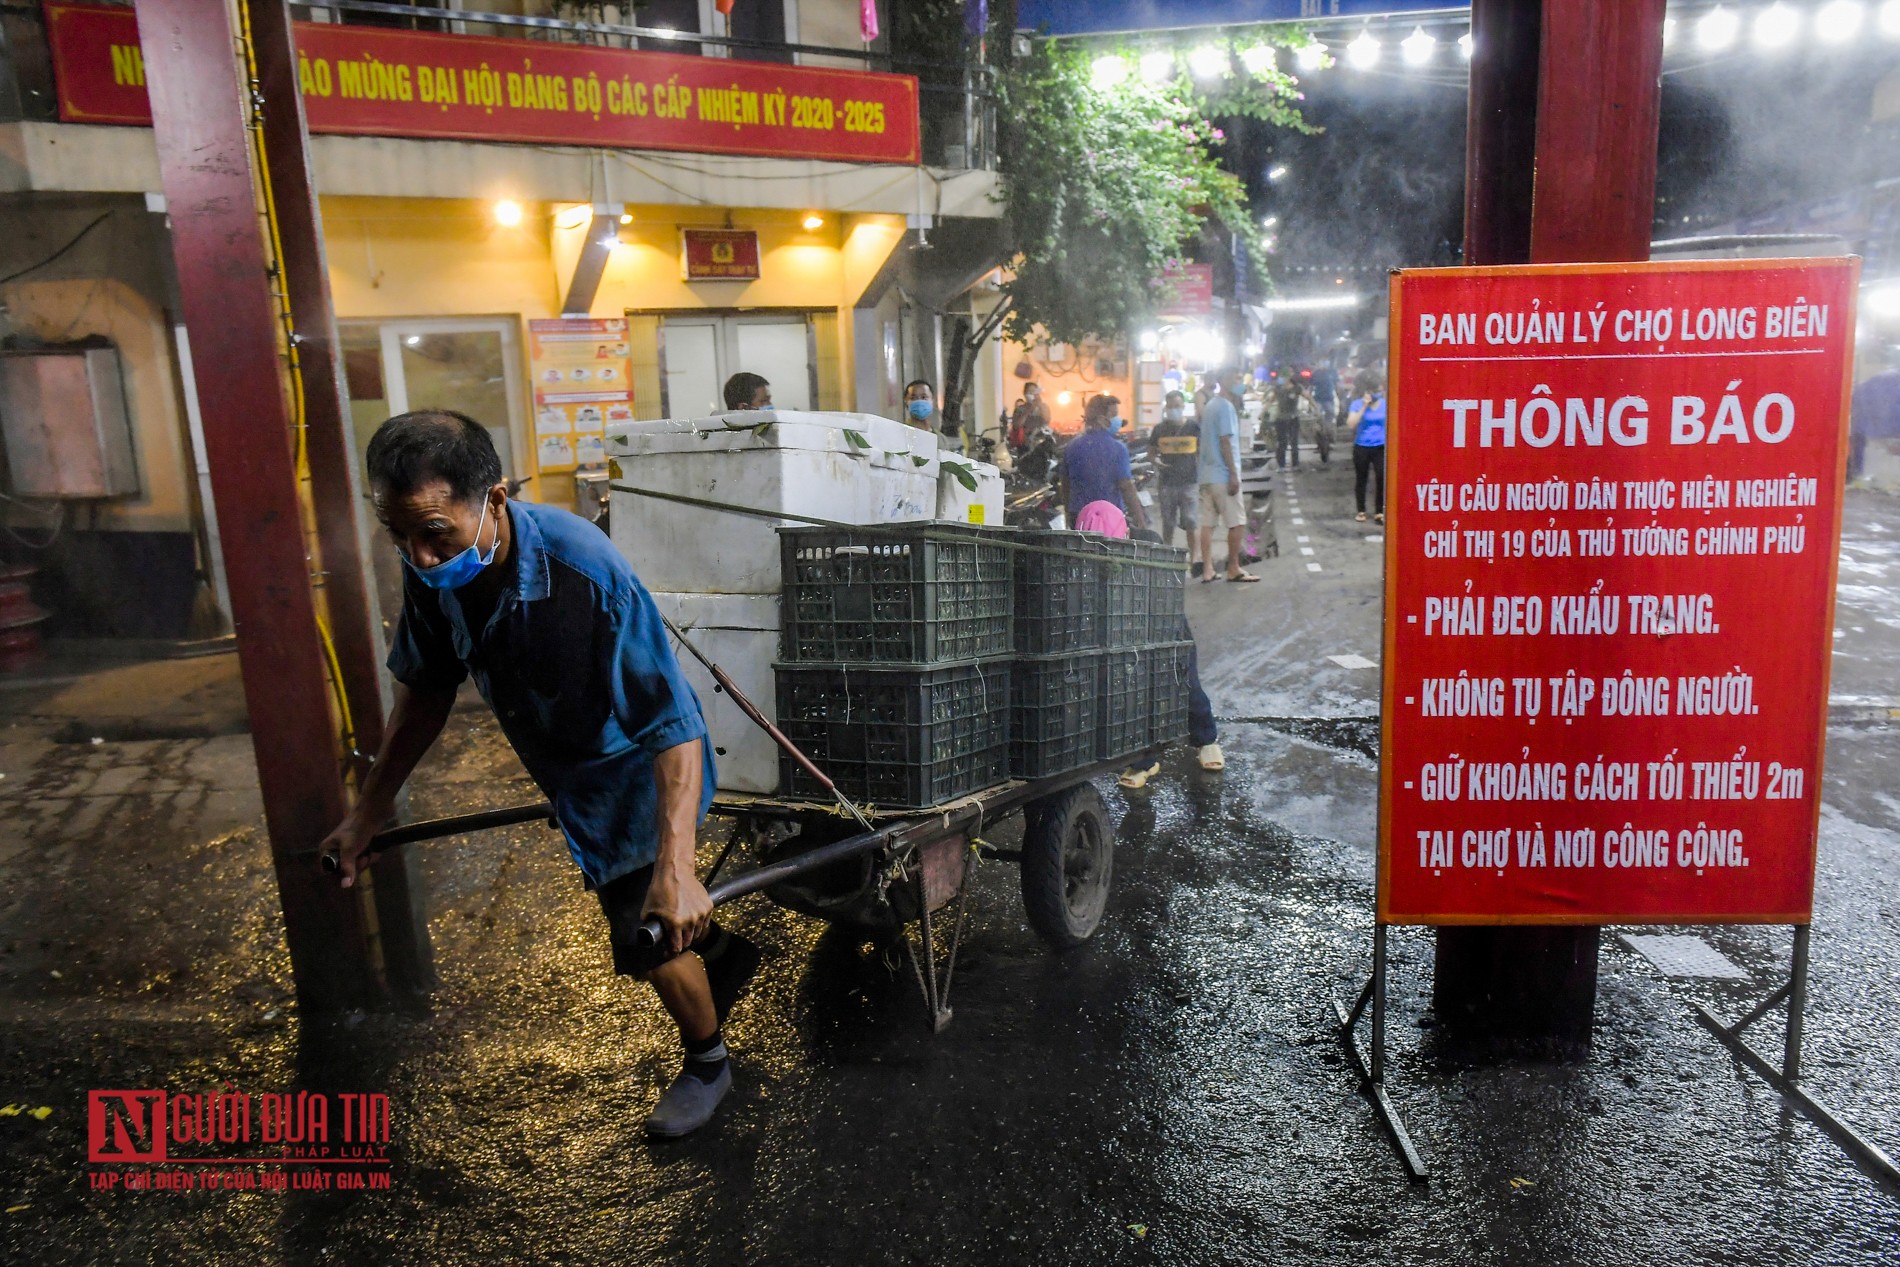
column 1312, row 302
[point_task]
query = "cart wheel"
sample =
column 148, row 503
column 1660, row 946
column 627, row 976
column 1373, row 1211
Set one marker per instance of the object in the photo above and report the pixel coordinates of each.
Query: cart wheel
column 1068, row 862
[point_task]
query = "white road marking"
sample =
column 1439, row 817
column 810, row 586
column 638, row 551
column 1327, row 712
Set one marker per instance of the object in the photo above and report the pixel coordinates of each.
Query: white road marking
column 1376, row 537
column 1684, row 956
column 1306, row 550
column 1298, row 522
column 1312, row 567
column 1351, row 661
column 1302, row 540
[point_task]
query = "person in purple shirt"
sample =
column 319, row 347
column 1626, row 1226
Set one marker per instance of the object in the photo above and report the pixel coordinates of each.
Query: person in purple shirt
column 1095, row 466
column 1875, row 412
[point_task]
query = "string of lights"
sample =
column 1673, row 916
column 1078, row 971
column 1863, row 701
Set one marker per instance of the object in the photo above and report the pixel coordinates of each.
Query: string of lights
column 1369, row 46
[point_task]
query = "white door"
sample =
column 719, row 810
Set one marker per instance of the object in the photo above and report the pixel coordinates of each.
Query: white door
column 471, row 367
column 780, row 351
column 701, row 353
column 693, row 362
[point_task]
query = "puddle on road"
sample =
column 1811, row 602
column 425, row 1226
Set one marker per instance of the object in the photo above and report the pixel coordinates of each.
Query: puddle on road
column 1347, row 734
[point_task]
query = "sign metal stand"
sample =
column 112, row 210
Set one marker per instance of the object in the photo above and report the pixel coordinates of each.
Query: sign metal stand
column 1787, row 1079
column 1372, row 1063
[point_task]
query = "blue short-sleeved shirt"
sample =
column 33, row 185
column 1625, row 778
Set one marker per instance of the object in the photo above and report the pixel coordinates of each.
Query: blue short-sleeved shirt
column 1217, row 420
column 1370, row 433
column 1096, row 464
column 576, row 665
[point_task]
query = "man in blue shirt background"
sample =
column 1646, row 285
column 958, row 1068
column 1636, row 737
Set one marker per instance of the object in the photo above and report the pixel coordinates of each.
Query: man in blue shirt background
column 1220, row 474
column 568, row 649
column 1096, row 468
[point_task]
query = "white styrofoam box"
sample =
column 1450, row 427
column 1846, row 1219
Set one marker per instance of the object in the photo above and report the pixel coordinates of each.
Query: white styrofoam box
column 805, row 463
column 981, row 505
column 739, row 633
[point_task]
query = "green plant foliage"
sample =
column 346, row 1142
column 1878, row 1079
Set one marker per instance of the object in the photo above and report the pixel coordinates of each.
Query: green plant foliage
column 1107, row 182
column 965, row 475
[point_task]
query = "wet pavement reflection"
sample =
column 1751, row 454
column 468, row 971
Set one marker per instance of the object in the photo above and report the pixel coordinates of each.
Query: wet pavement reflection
column 1171, row 1092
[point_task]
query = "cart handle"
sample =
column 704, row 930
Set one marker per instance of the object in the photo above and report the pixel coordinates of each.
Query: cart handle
column 652, row 932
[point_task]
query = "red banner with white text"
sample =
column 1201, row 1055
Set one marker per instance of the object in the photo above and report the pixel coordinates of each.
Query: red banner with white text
column 368, row 81
column 1614, row 501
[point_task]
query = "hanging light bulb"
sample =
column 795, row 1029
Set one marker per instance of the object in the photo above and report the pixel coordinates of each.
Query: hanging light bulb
column 1417, row 47
column 1109, row 70
column 1775, row 26
column 1669, row 32
column 1839, row 21
column 1259, row 59
column 1311, row 56
column 1209, row 61
column 1464, row 45
column 1717, row 30
column 1157, row 66
column 1364, row 51
column 1890, row 19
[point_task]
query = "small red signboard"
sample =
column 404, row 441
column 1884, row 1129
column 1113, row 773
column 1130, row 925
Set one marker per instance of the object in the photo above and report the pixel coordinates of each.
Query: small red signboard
column 371, row 81
column 1187, row 290
column 719, row 255
column 1614, row 496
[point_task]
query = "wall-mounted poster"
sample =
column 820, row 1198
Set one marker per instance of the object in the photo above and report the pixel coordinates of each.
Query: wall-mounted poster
column 583, row 380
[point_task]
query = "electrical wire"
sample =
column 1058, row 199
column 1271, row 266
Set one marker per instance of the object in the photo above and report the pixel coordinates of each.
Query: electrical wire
column 299, row 406
column 70, row 244
column 57, row 515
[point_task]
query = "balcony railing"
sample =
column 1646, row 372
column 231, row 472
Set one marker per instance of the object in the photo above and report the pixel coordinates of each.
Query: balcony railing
column 957, row 101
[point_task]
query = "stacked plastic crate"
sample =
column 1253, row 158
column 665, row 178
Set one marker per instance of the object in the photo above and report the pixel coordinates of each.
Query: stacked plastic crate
column 895, row 663
column 1101, row 670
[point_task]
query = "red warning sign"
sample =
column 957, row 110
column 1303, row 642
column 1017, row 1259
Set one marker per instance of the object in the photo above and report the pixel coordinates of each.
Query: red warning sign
column 1614, row 518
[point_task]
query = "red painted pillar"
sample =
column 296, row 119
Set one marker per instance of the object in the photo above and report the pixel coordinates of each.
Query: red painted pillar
column 341, row 521
column 1560, row 166
column 199, row 117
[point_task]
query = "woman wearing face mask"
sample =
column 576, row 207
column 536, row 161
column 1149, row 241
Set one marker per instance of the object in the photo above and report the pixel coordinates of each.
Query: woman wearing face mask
column 1367, row 419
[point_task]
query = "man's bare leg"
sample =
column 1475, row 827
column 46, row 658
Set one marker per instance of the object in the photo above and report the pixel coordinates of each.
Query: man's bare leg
column 1207, row 552
column 1235, row 538
column 684, row 993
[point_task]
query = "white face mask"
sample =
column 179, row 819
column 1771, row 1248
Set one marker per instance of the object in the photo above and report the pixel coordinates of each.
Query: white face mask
column 1174, row 413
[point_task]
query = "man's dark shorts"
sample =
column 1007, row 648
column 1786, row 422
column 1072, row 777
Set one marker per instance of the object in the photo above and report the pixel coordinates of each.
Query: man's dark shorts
column 622, row 900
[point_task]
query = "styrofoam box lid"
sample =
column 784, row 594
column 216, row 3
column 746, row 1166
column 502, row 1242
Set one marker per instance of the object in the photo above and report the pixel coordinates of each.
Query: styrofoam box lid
column 981, row 470
column 757, row 612
column 791, row 429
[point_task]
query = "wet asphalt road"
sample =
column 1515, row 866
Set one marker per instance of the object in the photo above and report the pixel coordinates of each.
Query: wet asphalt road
column 1170, row 1093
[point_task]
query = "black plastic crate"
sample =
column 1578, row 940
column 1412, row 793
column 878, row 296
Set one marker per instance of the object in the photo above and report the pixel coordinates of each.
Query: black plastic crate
column 916, row 594
column 1059, row 594
column 1126, row 708
column 1168, row 686
column 1054, row 714
column 1167, row 593
column 1127, row 594
column 899, row 737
